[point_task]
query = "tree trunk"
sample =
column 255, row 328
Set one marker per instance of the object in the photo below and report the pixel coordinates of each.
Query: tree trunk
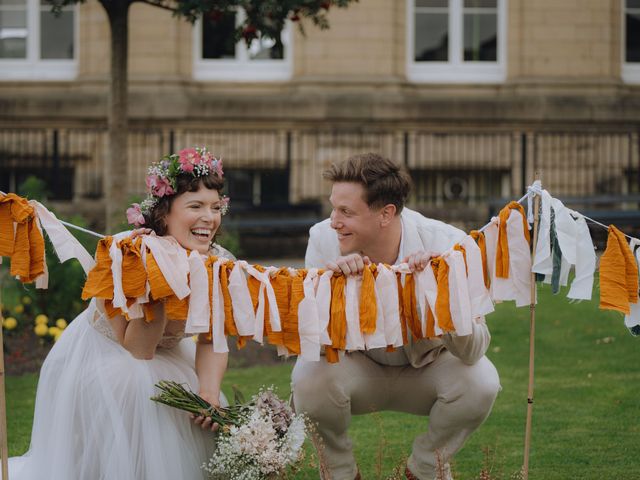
column 116, row 165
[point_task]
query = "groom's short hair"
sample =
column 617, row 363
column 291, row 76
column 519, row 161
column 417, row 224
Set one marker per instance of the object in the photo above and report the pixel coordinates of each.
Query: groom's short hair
column 384, row 181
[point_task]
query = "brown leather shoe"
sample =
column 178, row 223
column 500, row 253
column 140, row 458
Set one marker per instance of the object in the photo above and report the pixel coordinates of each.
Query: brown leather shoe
column 358, row 477
column 409, row 475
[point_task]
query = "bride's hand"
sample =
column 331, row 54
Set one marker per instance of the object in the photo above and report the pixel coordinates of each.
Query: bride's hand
column 139, row 232
column 206, row 423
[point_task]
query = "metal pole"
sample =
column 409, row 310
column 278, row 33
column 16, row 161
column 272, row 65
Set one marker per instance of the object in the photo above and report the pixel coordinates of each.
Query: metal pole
column 532, row 334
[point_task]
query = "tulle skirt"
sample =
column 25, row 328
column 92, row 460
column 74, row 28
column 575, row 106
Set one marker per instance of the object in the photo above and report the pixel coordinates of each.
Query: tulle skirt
column 94, row 419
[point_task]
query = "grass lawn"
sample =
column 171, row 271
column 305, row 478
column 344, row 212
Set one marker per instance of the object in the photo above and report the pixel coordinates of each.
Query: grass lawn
column 586, row 421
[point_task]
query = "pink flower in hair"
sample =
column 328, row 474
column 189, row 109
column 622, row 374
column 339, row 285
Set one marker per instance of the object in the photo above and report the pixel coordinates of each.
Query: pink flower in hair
column 134, row 215
column 189, row 158
column 218, row 167
column 158, row 186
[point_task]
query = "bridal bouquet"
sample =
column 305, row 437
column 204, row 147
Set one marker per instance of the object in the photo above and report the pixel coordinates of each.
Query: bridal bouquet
column 259, row 439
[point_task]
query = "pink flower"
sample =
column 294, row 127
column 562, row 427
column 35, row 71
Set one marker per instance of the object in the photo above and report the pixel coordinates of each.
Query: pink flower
column 134, row 215
column 159, row 186
column 188, row 158
column 218, row 167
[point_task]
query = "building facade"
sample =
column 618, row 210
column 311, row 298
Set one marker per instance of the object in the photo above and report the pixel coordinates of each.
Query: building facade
column 475, row 97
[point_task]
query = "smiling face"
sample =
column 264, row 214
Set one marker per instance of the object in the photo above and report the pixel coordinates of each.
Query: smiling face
column 194, row 218
column 358, row 227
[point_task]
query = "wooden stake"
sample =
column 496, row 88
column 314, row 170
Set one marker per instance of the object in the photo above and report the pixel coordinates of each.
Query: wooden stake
column 4, row 446
column 532, row 335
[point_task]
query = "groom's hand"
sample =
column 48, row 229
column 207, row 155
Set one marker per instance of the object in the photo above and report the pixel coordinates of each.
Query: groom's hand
column 352, row 264
column 419, row 260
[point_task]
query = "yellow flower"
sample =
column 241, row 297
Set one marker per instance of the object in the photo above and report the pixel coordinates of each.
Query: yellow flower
column 41, row 329
column 57, row 336
column 53, row 331
column 10, row 323
column 194, row 338
column 26, row 300
column 42, row 319
column 61, row 323
column 18, row 308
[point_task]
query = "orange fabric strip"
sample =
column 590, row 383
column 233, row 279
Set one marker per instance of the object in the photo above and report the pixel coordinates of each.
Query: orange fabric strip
column 176, row 309
column 338, row 321
column 410, row 311
column 613, row 281
column 229, row 321
column 482, row 244
column 443, row 311
column 401, row 310
column 368, row 305
column 36, row 252
column 134, row 274
column 290, row 327
column 99, row 282
column 158, row 285
column 502, row 252
column 460, row 248
column 631, row 267
column 21, row 259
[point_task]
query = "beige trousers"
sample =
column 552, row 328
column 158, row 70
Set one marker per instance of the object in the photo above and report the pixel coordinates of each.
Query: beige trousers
column 456, row 397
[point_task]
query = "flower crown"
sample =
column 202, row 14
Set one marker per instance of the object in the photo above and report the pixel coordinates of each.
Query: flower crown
column 162, row 179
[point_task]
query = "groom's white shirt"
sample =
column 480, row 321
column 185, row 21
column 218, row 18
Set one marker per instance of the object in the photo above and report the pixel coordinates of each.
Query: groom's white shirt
column 418, row 233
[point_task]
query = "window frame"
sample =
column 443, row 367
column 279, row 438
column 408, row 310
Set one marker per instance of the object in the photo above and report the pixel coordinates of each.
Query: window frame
column 456, row 69
column 242, row 68
column 629, row 71
column 34, row 68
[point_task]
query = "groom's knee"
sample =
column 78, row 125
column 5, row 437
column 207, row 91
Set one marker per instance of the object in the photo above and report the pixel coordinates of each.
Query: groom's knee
column 318, row 389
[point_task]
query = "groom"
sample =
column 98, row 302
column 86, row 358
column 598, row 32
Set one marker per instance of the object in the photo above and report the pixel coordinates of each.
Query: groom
column 447, row 379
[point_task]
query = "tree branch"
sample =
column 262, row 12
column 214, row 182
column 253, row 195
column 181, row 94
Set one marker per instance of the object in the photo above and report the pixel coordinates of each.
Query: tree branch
column 159, row 4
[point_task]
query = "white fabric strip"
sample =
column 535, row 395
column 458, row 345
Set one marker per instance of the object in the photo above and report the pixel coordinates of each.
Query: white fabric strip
column 119, row 300
column 542, row 262
column 217, row 313
column 633, row 319
column 241, row 300
column 518, row 286
column 459, row 304
column 354, row 338
column 491, row 243
column 172, row 261
column 323, row 303
column 429, row 286
column 387, row 296
column 199, row 315
column 481, row 303
column 308, row 321
column 582, row 285
column 65, row 245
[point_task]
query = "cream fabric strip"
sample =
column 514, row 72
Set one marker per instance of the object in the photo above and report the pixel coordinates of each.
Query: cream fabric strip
column 481, row 303
column 633, row 319
column 582, row 285
column 387, row 298
column 460, row 303
column 354, row 338
column 241, row 300
column 308, row 320
column 219, row 343
column 65, row 245
column 199, row 316
column 323, row 303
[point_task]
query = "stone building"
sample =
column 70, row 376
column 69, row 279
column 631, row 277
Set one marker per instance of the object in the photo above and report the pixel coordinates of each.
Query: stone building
column 473, row 96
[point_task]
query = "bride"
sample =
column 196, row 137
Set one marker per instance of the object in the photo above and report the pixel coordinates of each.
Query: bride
column 93, row 415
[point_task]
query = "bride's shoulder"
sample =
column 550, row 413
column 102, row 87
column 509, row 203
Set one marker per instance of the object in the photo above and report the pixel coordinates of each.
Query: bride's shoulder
column 220, row 251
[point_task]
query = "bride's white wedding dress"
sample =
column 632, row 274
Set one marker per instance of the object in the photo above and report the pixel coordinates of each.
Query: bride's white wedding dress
column 94, row 419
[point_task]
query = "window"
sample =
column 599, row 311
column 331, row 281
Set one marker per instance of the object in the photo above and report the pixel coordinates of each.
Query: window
column 461, row 41
column 631, row 39
column 258, row 188
column 219, row 58
column 34, row 43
